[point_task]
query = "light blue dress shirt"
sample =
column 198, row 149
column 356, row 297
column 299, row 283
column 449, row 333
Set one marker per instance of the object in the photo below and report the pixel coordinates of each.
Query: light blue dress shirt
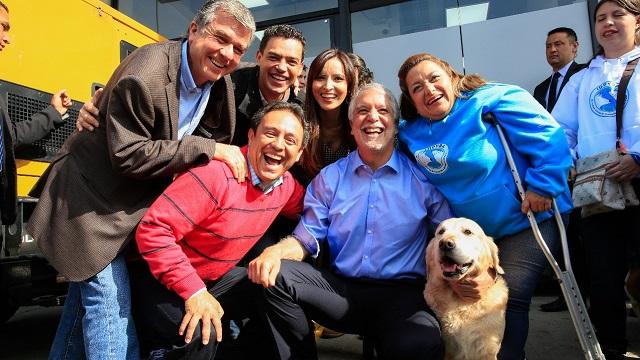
column 193, row 100
column 377, row 223
column 255, row 180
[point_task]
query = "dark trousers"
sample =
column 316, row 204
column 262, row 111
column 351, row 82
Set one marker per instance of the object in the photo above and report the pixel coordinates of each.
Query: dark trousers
column 391, row 313
column 158, row 311
column 610, row 239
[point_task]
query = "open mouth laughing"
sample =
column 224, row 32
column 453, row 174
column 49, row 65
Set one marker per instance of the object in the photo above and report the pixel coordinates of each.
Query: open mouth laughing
column 434, row 99
column 278, row 77
column 273, row 160
column 372, row 130
column 451, row 268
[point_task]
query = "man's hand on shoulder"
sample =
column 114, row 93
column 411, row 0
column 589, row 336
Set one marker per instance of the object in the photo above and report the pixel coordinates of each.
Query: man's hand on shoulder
column 88, row 117
column 201, row 307
column 233, row 157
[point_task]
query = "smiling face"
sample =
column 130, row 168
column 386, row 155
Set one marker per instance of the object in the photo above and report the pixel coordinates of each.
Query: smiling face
column 373, row 127
column 330, row 86
column 615, row 29
column 280, row 64
column 215, row 51
column 431, row 90
column 560, row 49
column 462, row 249
column 275, row 145
column 4, row 28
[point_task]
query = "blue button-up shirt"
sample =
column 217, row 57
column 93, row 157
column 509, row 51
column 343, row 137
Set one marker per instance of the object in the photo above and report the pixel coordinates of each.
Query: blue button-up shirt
column 255, row 180
column 377, row 223
column 193, row 100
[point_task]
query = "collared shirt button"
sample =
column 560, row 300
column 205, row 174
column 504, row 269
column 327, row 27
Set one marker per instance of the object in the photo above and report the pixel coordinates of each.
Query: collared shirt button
column 370, row 206
column 369, row 231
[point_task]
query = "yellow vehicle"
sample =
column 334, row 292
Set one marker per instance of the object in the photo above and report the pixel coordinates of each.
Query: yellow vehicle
column 73, row 45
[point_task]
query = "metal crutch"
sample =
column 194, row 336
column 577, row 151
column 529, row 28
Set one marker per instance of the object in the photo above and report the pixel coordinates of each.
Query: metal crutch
column 577, row 309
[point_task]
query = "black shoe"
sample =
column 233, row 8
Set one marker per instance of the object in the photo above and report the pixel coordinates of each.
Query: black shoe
column 554, row 306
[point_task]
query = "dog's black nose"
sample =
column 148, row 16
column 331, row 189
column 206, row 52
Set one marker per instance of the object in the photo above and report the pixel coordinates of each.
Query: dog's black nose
column 447, row 245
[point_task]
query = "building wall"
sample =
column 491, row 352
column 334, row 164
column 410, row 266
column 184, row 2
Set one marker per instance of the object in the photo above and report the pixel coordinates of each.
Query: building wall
column 508, row 49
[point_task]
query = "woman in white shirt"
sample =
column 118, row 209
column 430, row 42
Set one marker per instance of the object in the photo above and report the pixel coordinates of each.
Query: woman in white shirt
column 587, row 112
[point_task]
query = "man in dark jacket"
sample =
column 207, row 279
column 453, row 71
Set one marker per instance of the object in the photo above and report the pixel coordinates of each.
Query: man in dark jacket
column 13, row 134
column 561, row 49
column 278, row 65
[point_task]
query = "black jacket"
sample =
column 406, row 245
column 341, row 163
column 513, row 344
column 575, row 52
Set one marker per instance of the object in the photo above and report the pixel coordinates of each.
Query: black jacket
column 540, row 92
column 249, row 101
column 14, row 135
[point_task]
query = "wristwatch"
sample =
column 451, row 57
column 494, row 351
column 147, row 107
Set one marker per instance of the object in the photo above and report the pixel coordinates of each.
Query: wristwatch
column 635, row 157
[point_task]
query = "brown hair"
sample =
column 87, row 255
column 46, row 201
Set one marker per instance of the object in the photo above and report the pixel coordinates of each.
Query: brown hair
column 313, row 157
column 460, row 82
column 632, row 6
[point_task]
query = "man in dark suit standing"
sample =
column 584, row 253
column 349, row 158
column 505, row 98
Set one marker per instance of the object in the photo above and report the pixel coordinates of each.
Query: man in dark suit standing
column 562, row 47
column 101, row 183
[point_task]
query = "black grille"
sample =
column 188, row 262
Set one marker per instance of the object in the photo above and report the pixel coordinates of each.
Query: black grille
column 22, row 102
column 21, row 108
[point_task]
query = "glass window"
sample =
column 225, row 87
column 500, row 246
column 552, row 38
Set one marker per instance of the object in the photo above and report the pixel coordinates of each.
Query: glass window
column 398, row 19
column 273, row 9
column 317, row 35
column 143, row 11
column 501, row 8
column 420, row 15
column 174, row 16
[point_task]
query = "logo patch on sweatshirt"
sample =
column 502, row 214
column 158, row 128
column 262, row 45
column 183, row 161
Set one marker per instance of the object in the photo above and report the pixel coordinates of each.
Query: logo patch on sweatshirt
column 433, row 158
column 602, row 99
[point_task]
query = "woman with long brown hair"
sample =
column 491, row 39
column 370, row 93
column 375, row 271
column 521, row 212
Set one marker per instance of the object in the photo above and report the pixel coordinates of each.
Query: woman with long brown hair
column 462, row 156
column 331, row 82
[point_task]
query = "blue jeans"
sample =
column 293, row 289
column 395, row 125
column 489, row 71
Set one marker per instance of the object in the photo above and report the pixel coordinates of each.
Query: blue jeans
column 96, row 322
column 523, row 261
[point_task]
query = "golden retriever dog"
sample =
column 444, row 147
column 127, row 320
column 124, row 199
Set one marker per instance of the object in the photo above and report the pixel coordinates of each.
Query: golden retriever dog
column 470, row 330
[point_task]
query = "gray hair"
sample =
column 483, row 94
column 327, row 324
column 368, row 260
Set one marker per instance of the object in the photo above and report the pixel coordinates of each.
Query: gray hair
column 391, row 101
column 235, row 8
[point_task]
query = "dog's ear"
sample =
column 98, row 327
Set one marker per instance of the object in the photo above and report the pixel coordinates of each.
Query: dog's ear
column 494, row 255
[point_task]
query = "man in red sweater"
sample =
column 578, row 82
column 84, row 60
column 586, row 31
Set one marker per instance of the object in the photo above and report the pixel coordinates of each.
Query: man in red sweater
column 196, row 232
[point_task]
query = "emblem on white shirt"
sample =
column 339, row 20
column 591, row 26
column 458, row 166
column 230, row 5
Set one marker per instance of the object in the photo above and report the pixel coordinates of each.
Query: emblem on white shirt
column 433, row 158
column 602, row 99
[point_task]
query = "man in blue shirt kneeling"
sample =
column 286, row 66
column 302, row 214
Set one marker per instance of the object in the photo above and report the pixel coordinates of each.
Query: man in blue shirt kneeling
column 376, row 212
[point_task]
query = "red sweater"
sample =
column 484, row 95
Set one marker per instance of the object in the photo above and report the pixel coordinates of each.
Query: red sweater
column 205, row 222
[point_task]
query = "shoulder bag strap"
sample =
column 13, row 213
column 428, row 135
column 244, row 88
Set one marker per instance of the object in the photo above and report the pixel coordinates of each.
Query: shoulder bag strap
column 622, row 97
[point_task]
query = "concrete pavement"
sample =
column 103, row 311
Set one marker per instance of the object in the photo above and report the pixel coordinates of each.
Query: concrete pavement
column 551, row 337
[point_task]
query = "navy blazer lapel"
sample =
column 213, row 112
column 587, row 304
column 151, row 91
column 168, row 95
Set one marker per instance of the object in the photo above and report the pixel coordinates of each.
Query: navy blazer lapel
column 572, row 70
column 540, row 92
column 566, row 77
column 173, row 87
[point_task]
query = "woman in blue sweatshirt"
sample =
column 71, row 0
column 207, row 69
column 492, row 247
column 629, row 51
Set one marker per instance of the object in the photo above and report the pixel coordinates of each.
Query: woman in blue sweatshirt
column 443, row 129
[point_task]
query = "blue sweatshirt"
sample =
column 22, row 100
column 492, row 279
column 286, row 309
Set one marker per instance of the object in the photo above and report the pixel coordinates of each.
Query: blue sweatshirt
column 463, row 157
